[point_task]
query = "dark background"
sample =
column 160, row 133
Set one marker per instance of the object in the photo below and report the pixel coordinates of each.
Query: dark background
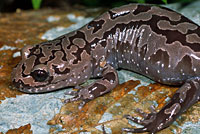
column 12, row 5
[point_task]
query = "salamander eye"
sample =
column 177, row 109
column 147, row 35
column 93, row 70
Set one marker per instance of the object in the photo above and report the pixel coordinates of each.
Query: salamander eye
column 40, row 75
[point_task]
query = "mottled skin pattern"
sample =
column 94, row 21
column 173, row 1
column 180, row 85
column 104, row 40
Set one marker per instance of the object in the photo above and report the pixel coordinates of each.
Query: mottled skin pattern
column 153, row 41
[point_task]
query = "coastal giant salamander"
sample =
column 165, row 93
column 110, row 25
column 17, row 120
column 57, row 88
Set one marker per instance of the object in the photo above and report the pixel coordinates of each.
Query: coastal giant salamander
column 156, row 42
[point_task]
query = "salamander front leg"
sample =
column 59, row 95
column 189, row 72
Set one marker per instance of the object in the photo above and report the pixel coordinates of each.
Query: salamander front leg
column 184, row 97
column 108, row 81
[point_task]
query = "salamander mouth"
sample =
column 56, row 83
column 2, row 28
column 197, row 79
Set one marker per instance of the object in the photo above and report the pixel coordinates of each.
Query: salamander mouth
column 39, row 89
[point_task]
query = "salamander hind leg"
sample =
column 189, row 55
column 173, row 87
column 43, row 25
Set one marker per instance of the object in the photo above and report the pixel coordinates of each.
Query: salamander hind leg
column 184, row 97
column 108, row 81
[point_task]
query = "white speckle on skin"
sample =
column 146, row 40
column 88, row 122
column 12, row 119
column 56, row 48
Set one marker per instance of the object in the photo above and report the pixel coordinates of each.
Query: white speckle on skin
column 36, row 90
column 60, row 66
column 131, row 52
column 111, row 81
column 79, row 77
column 169, row 66
column 70, row 80
column 162, row 65
column 93, row 45
column 149, row 58
column 138, row 65
column 91, row 96
column 94, row 88
column 144, row 59
column 158, row 71
column 158, row 62
column 195, row 69
column 127, row 61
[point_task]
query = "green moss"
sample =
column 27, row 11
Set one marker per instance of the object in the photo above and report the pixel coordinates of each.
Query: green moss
column 36, row 4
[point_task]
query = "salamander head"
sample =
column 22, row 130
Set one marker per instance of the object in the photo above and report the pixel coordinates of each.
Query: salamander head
column 48, row 66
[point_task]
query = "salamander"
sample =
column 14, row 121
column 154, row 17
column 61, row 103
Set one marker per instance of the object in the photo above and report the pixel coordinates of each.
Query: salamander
column 153, row 41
